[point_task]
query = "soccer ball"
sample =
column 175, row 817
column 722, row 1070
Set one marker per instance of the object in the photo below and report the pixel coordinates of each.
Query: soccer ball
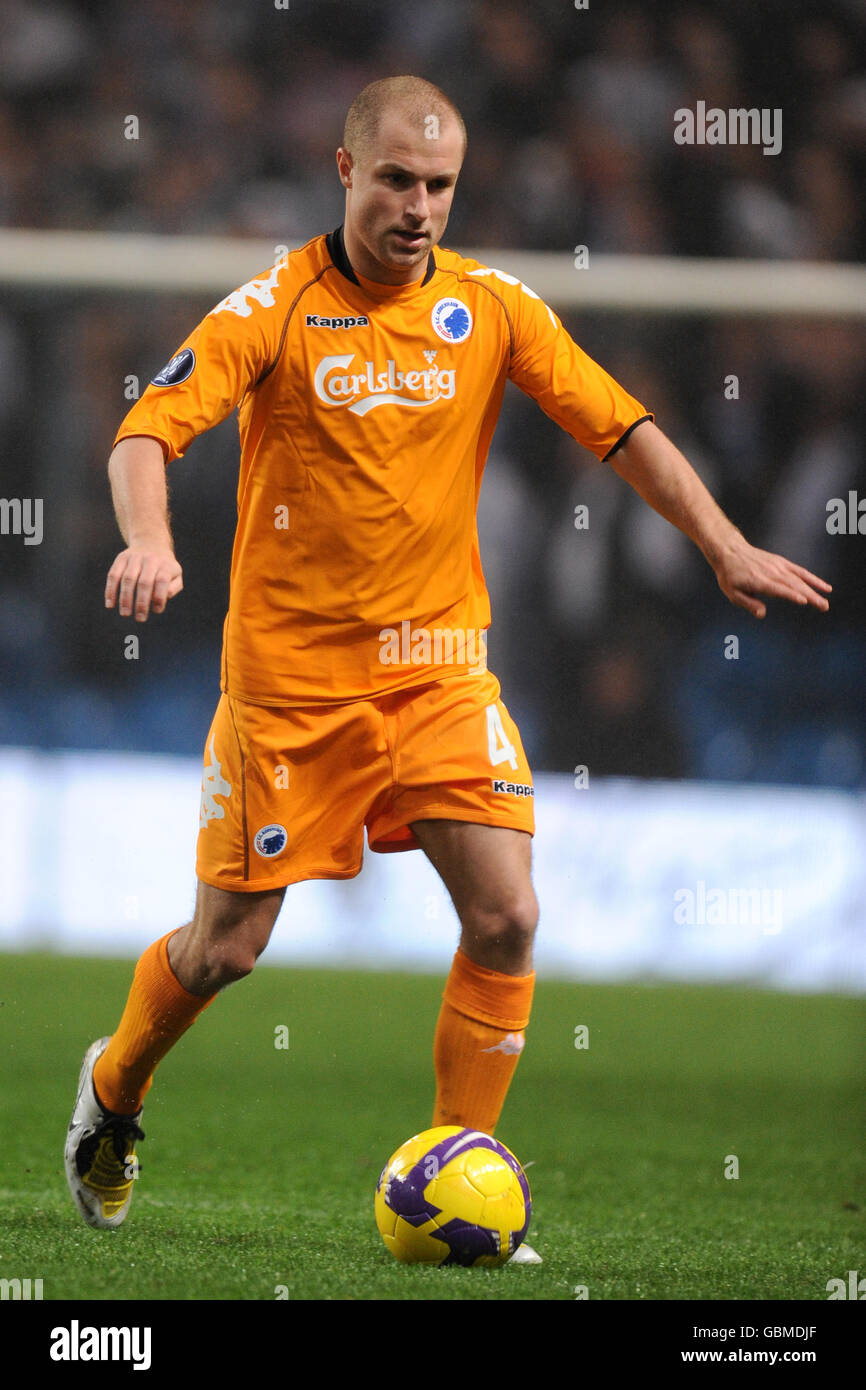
column 453, row 1196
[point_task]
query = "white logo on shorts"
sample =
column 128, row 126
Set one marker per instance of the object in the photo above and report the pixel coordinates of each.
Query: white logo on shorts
column 212, row 784
column 271, row 840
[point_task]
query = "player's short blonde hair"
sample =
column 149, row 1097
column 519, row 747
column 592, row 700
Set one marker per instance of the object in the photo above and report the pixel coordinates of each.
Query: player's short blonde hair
column 415, row 98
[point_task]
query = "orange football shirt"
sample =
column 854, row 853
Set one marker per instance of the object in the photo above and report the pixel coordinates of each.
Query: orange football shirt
column 366, row 413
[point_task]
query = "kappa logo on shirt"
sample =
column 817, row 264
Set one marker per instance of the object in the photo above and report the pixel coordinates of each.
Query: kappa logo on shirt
column 320, row 321
column 362, row 391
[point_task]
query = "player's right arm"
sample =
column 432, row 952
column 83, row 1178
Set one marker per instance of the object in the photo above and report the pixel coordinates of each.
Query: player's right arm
column 229, row 352
column 146, row 574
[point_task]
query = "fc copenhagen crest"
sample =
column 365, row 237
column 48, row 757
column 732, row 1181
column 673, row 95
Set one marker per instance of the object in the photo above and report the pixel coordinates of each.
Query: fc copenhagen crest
column 270, row 841
column 452, row 320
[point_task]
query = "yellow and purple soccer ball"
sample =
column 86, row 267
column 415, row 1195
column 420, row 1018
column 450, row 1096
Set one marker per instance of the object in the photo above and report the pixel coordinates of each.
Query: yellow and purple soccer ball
column 453, row 1196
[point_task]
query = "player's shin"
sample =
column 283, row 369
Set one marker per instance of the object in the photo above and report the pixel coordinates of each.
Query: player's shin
column 158, row 1012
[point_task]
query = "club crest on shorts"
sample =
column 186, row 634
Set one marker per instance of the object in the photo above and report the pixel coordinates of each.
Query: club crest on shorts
column 270, row 841
column 177, row 370
column 452, row 320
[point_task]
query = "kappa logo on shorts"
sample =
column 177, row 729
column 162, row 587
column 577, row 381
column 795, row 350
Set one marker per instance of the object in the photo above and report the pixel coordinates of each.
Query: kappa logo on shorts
column 213, row 784
column 271, row 840
column 512, row 788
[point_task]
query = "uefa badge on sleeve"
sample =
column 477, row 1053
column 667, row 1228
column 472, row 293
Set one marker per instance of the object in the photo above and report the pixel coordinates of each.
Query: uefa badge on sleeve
column 177, row 370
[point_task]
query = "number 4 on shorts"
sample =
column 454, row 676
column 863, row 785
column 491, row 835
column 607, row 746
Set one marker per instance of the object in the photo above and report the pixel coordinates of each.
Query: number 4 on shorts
column 501, row 751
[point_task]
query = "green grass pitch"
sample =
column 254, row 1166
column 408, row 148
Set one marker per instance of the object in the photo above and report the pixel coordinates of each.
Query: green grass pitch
column 260, row 1162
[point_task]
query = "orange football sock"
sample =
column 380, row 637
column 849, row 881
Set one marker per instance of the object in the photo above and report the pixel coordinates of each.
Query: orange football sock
column 479, row 1038
column 158, row 1011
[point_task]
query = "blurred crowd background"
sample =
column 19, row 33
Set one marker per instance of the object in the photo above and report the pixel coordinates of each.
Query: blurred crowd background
column 609, row 642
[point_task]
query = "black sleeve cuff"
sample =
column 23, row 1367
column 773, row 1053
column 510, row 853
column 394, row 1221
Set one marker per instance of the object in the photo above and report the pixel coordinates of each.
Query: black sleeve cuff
column 623, row 437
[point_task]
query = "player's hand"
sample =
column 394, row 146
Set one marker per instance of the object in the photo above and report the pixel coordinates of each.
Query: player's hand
column 744, row 572
column 143, row 578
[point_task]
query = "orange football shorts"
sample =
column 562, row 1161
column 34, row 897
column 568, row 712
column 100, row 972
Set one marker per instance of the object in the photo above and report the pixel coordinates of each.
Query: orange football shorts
column 288, row 792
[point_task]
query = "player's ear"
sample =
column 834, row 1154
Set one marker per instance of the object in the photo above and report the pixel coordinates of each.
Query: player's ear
column 344, row 167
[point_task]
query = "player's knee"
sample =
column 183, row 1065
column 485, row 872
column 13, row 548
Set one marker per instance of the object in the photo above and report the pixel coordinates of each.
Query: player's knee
column 226, row 958
column 221, row 947
column 225, row 963
column 231, row 953
column 508, row 926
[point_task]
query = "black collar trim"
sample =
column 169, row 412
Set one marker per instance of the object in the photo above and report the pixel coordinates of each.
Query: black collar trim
column 337, row 251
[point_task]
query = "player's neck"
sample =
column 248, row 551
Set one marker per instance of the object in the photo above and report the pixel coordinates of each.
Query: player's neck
column 366, row 266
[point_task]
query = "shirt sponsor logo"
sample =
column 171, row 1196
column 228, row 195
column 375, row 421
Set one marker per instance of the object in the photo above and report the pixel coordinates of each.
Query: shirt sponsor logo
column 452, row 320
column 320, row 321
column 177, row 370
column 512, row 788
column 361, row 392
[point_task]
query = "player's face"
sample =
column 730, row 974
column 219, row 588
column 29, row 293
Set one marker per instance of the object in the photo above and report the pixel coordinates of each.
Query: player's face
column 398, row 197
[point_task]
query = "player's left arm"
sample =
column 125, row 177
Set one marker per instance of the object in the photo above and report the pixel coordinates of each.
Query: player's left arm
column 663, row 477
